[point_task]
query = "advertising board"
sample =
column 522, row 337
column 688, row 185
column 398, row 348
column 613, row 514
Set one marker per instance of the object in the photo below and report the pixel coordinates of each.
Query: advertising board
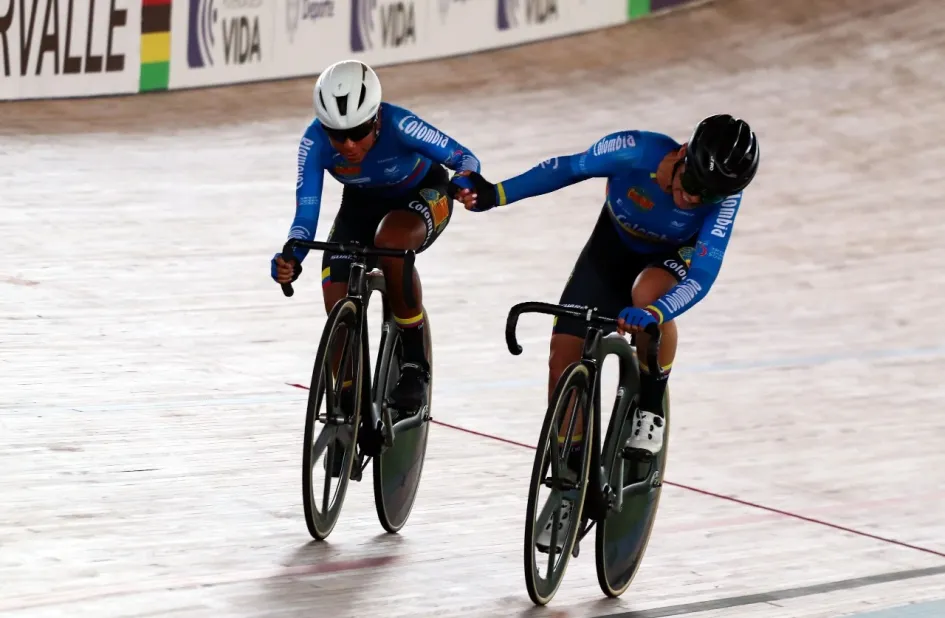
column 60, row 48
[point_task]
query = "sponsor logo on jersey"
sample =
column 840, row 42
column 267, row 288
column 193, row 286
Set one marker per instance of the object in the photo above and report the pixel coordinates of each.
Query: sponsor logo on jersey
column 613, row 144
column 638, row 198
column 682, row 295
column 636, row 230
column 417, row 129
column 427, row 218
column 347, row 170
column 304, row 147
column 725, row 217
column 686, row 254
column 676, row 266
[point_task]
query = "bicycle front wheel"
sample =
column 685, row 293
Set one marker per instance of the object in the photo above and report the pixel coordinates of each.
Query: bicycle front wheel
column 324, row 485
column 548, row 547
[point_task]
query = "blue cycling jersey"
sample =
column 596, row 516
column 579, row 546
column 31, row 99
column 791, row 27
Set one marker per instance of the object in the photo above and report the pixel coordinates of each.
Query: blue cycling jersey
column 646, row 217
column 405, row 148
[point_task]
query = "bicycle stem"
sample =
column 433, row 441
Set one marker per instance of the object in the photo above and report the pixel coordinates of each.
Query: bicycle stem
column 586, row 314
column 408, row 255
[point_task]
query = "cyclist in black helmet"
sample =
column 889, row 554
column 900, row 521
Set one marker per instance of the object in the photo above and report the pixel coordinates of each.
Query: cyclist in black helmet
column 658, row 244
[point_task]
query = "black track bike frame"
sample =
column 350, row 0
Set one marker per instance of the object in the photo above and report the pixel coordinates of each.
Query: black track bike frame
column 601, row 497
column 361, row 284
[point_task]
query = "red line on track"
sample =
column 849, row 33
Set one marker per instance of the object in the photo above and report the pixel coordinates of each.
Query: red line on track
column 705, row 492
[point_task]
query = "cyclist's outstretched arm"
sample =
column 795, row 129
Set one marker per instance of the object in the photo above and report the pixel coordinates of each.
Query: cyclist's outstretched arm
column 607, row 157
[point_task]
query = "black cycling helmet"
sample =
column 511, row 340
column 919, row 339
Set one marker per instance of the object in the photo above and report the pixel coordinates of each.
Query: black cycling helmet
column 721, row 158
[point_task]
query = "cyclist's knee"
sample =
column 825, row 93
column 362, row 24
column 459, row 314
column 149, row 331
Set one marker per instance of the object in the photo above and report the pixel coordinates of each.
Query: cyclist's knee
column 400, row 229
column 332, row 293
column 651, row 285
column 565, row 349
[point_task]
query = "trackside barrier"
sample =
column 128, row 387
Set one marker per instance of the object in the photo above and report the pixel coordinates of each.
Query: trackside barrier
column 69, row 48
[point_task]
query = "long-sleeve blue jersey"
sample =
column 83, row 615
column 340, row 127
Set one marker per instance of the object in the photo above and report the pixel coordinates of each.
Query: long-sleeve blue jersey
column 405, row 148
column 646, row 217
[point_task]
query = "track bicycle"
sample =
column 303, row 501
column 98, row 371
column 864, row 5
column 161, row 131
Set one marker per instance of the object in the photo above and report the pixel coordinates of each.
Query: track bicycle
column 616, row 489
column 358, row 424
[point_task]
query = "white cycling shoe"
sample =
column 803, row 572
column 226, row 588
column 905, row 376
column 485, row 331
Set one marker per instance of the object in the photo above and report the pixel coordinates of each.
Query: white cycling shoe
column 543, row 540
column 647, row 436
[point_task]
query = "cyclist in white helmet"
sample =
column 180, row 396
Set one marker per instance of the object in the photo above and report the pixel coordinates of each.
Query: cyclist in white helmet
column 396, row 195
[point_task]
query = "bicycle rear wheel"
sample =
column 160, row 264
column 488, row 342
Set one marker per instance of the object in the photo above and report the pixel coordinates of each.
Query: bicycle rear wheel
column 550, row 457
column 398, row 469
column 335, row 444
column 622, row 536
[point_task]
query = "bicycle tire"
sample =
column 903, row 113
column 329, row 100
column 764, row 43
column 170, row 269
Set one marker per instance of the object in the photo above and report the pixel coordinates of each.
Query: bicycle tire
column 615, row 569
column 575, row 377
column 320, row 525
column 397, row 471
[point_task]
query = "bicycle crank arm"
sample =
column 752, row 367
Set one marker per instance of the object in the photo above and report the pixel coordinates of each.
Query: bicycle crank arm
column 412, row 422
column 386, row 426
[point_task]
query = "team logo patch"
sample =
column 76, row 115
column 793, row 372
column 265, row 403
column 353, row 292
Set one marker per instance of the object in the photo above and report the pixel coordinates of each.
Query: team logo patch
column 348, row 170
column 686, row 254
column 701, row 249
column 640, row 199
column 439, row 206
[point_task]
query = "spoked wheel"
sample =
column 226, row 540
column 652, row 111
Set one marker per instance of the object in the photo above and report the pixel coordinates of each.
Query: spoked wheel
column 623, row 535
column 331, row 434
column 549, row 539
column 397, row 470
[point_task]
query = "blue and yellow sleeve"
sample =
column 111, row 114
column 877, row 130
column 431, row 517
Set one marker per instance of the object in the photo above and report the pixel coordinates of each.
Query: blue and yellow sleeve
column 608, row 156
column 310, row 173
column 705, row 265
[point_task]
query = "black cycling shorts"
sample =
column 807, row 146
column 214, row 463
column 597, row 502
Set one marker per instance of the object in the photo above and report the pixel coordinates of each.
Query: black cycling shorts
column 362, row 210
column 604, row 274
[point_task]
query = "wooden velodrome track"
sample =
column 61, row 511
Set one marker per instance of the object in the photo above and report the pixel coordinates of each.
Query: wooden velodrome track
column 150, row 442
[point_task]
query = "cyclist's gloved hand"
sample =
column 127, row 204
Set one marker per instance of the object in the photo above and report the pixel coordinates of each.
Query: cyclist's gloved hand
column 285, row 272
column 475, row 192
column 634, row 319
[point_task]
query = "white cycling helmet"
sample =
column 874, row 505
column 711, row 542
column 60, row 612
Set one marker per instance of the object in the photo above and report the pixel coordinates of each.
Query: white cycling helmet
column 346, row 95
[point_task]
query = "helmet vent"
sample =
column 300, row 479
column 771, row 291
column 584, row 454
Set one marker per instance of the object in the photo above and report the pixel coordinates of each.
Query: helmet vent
column 363, row 94
column 342, row 105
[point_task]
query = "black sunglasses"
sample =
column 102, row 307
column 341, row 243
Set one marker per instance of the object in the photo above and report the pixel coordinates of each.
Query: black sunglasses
column 355, row 134
column 690, row 184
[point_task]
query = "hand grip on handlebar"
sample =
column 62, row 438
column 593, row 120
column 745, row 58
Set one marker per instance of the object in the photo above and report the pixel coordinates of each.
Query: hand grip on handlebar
column 653, row 330
column 287, row 251
column 407, row 255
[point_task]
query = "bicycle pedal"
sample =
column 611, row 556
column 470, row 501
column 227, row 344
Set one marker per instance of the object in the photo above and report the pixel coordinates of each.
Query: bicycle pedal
column 356, row 471
column 563, row 484
column 542, row 548
column 637, row 454
column 610, row 496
